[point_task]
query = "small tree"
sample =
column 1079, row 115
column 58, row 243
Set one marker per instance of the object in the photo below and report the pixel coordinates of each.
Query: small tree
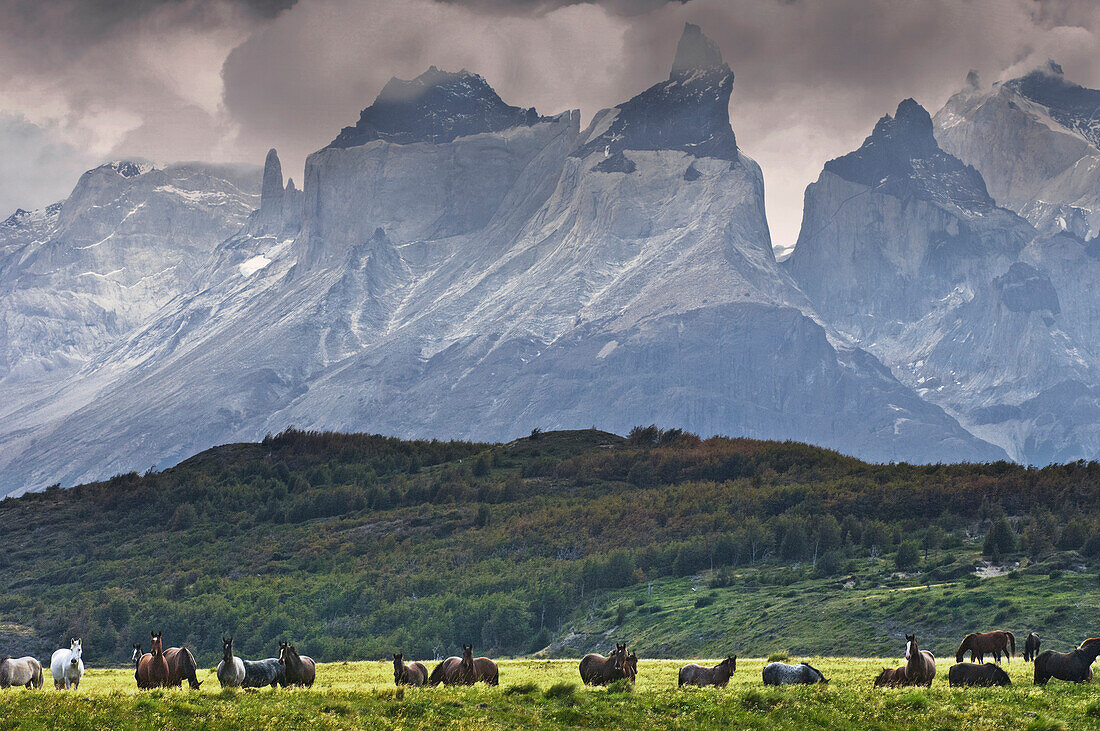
column 1000, row 539
column 908, row 556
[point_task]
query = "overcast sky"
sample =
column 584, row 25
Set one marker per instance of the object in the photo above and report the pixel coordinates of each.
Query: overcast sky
column 224, row 80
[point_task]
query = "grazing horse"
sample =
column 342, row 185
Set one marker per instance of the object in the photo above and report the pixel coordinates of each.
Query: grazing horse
column 478, row 669
column 1073, row 666
column 152, row 668
column 67, row 666
column 718, row 676
column 599, row 670
column 297, row 669
column 1031, row 647
column 25, row 671
column 980, row 643
column 919, row 668
column 412, row 674
column 780, row 673
column 968, row 673
column 230, row 670
column 448, row 672
column 181, row 667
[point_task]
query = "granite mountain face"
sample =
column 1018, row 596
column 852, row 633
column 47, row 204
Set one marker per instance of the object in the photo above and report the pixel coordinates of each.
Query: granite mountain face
column 454, row 266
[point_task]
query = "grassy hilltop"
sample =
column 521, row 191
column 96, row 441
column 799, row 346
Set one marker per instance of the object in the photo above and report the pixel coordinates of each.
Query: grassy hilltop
column 356, row 546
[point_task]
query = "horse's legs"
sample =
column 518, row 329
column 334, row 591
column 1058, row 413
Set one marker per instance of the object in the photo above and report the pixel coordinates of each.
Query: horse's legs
column 76, row 683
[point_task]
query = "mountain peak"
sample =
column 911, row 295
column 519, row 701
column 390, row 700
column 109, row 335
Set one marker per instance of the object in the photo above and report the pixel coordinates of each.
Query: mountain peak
column 437, row 107
column 695, row 52
column 272, row 190
column 1071, row 105
column 902, row 158
column 688, row 112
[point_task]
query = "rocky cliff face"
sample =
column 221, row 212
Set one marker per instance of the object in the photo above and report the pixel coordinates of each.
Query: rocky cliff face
column 903, row 250
column 1036, row 141
column 464, row 270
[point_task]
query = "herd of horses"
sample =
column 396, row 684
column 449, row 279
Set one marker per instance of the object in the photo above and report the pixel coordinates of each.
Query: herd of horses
column 168, row 668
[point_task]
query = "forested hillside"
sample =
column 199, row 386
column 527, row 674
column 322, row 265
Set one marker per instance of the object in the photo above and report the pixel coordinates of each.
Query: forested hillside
column 356, row 546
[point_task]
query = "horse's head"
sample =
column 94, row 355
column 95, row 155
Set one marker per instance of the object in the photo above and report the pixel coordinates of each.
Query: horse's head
column 731, row 663
column 227, row 648
column 283, row 652
column 630, row 665
column 910, row 646
column 1089, row 643
column 156, row 646
column 75, row 652
column 136, row 654
column 883, row 678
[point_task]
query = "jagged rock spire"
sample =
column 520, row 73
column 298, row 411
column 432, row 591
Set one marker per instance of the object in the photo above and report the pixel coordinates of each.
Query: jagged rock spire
column 271, row 194
column 695, row 52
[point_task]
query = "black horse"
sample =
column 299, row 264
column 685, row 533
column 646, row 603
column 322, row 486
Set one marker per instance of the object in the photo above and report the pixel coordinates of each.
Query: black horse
column 1031, row 647
column 1075, row 666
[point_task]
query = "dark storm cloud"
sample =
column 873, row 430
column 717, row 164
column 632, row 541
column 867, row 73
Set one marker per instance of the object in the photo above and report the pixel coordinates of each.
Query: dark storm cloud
column 231, row 78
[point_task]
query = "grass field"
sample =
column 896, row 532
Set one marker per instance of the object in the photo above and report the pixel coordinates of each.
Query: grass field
column 548, row 694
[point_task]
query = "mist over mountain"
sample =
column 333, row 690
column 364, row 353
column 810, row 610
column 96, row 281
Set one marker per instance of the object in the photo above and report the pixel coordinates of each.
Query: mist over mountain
column 456, row 267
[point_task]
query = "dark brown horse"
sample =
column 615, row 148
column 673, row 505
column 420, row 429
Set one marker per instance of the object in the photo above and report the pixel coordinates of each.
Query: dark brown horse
column 152, row 668
column 630, row 667
column 448, row 672
column 718, row 676
column 412, row 674
column 1031, row 647
column 979, row 644
column 297, row 669
column 478, row 669
column 599, row 670
column 968, row 673
column 181, row 667
column 1075, row 666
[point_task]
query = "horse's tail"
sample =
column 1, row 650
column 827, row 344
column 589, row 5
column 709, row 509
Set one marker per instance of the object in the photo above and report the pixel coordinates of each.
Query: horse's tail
column 1012, row 642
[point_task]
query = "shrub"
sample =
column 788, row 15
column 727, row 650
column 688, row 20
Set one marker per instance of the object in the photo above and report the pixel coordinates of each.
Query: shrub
column 564, row 692
column 781, row 656
column 622, row 685
column 704, row 600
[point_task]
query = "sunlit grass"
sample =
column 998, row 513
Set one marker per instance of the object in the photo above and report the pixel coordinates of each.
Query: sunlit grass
column 549, row 693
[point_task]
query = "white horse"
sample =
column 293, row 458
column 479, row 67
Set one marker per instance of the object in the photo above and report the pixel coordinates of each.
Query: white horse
column 66, row 667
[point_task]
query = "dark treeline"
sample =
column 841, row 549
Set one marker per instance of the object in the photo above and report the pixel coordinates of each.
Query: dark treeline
column 356, row 546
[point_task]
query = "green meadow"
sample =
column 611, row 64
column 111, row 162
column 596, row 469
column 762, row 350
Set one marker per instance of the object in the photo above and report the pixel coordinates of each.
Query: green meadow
column 547, row 693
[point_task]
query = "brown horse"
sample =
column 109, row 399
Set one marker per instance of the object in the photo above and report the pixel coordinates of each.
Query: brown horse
column 478, row 669
column 1075, row 666
column 599, row 670
column 1031, row 647
column 25, row 671
column 718, row 676
column 412, row 674
column 920, row 665
column 298, row 669
column 152, row 668
column 181, row 667
column 891, row 677
column 968, row 673
column 448, row 672
column 981, row 643
column 919, row 668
